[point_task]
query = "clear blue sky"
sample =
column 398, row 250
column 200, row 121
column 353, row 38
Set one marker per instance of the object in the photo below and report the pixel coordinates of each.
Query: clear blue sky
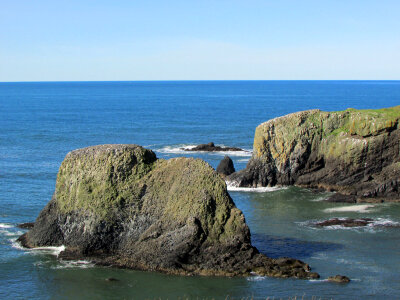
column 204, row 39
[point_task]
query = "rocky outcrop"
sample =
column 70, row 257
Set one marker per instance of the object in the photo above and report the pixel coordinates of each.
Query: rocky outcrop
column 339, row 279
column 119, row 205
column 353, row 152
column 226, row 166
column 210, row 147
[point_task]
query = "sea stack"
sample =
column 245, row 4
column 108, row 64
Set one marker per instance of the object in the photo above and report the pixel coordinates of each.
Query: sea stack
column 119, row 205
column 353, row 152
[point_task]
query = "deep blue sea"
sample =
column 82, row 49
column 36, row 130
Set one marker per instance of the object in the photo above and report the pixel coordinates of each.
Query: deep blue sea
column 41, row 122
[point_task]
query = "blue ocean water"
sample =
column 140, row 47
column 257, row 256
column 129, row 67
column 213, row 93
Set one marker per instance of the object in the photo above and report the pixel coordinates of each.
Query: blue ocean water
column 41, row 122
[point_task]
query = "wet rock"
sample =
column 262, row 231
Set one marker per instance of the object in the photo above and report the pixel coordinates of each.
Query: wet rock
column 339, row 279
column 118, row 205
column 210, row 147
column 226, row 166
column 28, row 225
column 345, row 222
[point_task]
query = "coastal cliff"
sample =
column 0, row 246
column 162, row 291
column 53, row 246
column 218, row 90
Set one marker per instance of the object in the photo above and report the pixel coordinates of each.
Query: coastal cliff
column 353, row 152
column 119, row 205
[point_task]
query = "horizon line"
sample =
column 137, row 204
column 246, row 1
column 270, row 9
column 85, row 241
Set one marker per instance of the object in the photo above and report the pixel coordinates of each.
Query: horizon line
column 191, row 80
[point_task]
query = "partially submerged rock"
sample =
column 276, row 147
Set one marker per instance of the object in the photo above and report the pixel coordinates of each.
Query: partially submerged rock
column 353, row 152
column 345, row 222
column 119, row 205
column 210, row 147
column 28, row 225
column 226, row 166
column 339, row 279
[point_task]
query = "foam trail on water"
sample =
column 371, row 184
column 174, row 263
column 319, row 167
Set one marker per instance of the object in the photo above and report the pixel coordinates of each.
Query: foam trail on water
column 39, row 250
column 322, row 198
column 11, row 233
column 81, row 264
column 352, row 208
column 4, row 225
column 178, row 150
column 234, row 188
column 50, row 250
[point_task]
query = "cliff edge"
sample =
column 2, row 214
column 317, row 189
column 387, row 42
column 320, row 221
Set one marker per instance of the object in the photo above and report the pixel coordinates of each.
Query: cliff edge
column 353, row 152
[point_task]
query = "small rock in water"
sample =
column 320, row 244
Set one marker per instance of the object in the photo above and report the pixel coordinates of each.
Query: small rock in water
column 226, row 166
column 345, row 222
column 28, row 225
column 211, row 148
column 111, row 279
column 339, row 279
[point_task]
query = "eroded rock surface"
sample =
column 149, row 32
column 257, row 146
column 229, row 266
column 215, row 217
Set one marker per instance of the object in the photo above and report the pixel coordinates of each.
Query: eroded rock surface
column 354, row 152
column 119, row 205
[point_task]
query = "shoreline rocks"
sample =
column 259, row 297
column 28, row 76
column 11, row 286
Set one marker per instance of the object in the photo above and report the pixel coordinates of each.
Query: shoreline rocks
column 118, row 205
column 210, row 147
column 353, row 152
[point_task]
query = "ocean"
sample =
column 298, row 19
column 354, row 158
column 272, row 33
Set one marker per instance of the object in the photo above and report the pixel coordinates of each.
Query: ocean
column 41, row 122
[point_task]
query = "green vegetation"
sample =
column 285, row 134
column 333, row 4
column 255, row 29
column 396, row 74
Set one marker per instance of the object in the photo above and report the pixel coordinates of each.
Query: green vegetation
column 102, row 180
column 342, row 133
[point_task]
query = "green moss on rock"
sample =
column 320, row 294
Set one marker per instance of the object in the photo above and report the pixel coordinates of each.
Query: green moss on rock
column 118, row 205
column 344, row 151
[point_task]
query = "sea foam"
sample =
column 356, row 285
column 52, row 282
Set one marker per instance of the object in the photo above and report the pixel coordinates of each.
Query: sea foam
column 233, row 188
column 365, row 208
column 178, row 150
column 4, row 225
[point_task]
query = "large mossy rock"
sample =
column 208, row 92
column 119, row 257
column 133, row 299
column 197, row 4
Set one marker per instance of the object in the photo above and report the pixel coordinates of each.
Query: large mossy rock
column 355, row 152
column 119, row 205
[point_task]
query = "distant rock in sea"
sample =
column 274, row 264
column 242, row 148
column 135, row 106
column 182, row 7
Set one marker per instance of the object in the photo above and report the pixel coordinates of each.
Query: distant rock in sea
column 226, row 166
column 210, row 147
column 353, row 152
column 119, row 205
column 339, row 279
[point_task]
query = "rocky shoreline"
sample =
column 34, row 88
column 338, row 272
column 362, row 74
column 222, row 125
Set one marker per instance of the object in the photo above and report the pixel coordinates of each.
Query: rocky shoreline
column 355, row 153
column 118, row 205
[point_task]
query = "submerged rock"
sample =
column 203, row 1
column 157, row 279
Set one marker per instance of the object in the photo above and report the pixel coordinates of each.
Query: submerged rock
column 226, row 167
column 119, row 205
column 210, row 147
column 345, row 222
column 339, row 279
column 353, row 152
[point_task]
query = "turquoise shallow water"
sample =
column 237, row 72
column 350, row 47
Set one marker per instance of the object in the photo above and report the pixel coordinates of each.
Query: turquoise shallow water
column 41, row 122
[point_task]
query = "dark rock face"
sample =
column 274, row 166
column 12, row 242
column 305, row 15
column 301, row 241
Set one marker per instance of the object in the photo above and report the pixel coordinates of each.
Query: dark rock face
column 226, row 167
column 339, row 279
column 119, row 205
column 210, row 147
column 353, row 152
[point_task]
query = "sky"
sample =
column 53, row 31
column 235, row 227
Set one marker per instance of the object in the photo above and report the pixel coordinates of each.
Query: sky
column 199, row 40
